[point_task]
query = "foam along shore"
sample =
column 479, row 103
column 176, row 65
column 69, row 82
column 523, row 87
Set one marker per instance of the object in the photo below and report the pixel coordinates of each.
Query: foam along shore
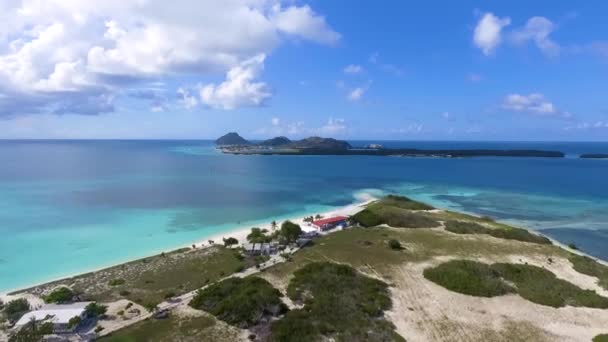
column 240, row 233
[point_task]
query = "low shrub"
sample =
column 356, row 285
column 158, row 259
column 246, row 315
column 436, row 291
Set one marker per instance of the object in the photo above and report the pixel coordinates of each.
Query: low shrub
column 404, row 203
column 540, row 286
column 468, row 277
column 601, row 338
column 116, row 282
column 533, row 283
column 394, row 244
column 240, row 302
column 356, row 314
column 16, row 308
column 60, row 295
column 588, row 266
column 511, row 233
column 96, row 310
column 367, row 218
column 403, row 218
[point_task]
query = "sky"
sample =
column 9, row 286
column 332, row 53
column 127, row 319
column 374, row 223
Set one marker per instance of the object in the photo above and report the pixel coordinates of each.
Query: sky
column 386, row 70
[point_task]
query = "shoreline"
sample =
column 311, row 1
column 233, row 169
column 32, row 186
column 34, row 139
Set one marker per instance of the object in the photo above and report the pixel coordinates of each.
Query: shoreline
column 240, row 233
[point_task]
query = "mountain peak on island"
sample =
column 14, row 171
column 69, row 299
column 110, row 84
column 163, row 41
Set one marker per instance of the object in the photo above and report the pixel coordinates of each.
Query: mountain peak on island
column 232, row 138
column 277, row 141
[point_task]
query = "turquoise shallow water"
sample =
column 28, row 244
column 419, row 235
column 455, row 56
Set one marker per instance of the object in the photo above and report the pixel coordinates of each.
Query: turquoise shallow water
column 70, row 206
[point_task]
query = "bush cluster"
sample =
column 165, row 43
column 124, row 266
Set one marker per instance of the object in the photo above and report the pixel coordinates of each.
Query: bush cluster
column 588, row 266
column 60, row 295
column 533, row 283
column 339, row 304
column 243, row 302
column 511, row 233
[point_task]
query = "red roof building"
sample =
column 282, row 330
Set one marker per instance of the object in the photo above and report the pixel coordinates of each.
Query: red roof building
column 330, row 223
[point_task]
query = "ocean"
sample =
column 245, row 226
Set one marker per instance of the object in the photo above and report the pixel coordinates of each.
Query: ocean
column 72, row 206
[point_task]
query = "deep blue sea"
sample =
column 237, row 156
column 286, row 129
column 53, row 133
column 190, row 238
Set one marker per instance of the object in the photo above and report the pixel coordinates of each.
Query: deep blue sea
column 70, row 206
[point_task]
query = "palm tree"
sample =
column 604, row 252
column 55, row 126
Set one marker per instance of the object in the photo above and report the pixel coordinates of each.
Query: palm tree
column 274, row 225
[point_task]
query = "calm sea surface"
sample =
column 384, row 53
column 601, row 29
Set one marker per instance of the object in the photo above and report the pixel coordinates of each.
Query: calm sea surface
column 69, row 206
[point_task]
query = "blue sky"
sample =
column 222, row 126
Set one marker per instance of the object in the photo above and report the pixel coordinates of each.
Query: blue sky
column 433, row 70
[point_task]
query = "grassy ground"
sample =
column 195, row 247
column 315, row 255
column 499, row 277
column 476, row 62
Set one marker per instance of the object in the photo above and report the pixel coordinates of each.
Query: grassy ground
column 340, row 304
column 588, row 266
column 148, row 281
column 502, row 232
column 532, row 283
column 367, row 247
column 188, row 329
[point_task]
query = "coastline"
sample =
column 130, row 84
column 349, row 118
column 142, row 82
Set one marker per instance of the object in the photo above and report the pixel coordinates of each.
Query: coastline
column 240, row 233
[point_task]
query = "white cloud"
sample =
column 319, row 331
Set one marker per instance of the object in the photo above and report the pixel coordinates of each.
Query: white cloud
column 303, row 22
column 275, row 121
column 65, row 53
column 333, row 126
column 537, row 30
column 353, row 69
column 588, row 125
column 533, row 103
column 445, row 115
column 488, row 32
column 240, row 88
column 187, row 100
column 356, row 94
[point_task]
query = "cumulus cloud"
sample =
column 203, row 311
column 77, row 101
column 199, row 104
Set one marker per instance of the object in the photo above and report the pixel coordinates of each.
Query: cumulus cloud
column 240, row 88
column 275, row 121
column 533, row 103
column 488, row 32
column 303, row 22
column 538, row 30
column 64, row 55
column 353, row 69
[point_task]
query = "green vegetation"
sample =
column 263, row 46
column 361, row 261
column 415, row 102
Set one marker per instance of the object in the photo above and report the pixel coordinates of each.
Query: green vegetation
column 532, row 283
column 468, row 277
column 508, row 233
column 601, row 338
column 367, row 218
column 74, row 322
column 174, row 328
column 588, row 266
column 116, row 282
column 290, row 231
column 543, row 287
column 394, row 244
column 240, row 302
column 394, row 212
column 146, row 281
column 404, row 203
column 230, row 242
column 32, row 332
column 572, row 245
column 258, row 235
column 60, row 295
column 96, row 310
column 356, row 314
column 14, row 309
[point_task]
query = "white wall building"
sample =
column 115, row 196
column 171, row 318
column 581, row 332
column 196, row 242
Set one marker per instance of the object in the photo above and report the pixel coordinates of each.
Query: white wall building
column 58, row 314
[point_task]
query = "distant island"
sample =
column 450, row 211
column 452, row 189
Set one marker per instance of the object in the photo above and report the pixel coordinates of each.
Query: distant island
column 233, row 143
column 594, row 156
